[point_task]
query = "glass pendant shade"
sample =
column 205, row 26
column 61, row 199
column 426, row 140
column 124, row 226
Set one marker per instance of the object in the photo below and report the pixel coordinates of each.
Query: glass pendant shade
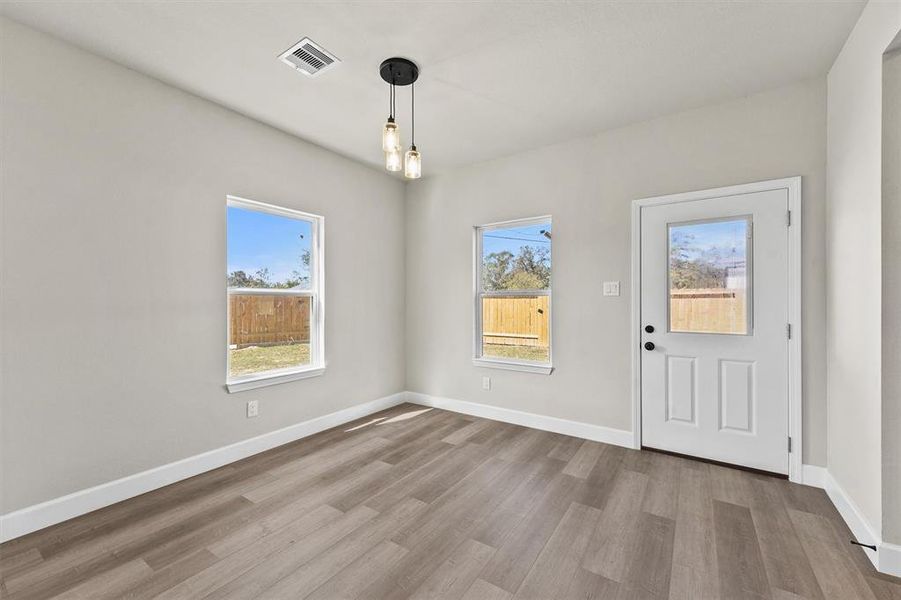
column 390, row 136
column 394, row 160
column 412, row 164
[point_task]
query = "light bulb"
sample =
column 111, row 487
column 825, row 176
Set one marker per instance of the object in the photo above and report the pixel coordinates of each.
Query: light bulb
column 412, row 164
column 394, row 160
column 390, row 136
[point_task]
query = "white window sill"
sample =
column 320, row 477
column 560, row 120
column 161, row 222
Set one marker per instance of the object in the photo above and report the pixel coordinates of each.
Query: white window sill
column 513, row 366
column 253, row 382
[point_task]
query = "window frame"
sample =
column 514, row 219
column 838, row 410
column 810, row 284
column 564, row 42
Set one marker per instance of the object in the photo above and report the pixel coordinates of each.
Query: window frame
column 478, row 360
column 316, row 294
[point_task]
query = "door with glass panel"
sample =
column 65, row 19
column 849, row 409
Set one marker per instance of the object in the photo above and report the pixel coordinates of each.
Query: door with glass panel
column 714, row 311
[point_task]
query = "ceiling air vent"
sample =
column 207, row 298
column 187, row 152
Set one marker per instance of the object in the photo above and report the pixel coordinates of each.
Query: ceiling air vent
column 309, row 58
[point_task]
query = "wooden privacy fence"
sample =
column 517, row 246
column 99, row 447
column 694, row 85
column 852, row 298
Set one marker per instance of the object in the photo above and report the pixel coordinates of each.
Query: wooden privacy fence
column 261, row 320
column 716, row 310
column 515, row 320
column 258, row 320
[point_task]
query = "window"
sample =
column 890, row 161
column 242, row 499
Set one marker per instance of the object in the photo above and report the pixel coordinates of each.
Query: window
column 513, row 295
column 274, row 283
column 710, row 276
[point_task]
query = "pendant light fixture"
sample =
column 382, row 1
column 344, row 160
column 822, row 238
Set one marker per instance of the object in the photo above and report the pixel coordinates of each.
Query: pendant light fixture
column 391, row 138
column 394, row 160
column 390, row 132
column 412, row 159
column 400, row 72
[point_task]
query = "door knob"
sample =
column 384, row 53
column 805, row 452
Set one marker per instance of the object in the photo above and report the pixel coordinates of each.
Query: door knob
column 649, row 328
column 649, row 345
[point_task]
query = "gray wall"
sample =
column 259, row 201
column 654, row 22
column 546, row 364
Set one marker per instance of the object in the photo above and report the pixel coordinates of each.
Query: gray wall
column 113, row 271
column 891, row 297
column 854, row 259
column 113, row 254
column 588, row 186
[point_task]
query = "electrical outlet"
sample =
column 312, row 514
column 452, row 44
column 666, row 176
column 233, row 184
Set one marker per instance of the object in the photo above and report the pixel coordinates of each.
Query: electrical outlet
column 253, row 408
column 486, row 383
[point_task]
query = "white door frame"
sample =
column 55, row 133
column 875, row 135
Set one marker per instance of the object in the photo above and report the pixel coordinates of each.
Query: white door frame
column 793, row 186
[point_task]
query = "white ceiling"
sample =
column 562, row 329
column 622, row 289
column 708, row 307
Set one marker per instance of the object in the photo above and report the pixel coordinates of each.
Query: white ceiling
column 496, row 77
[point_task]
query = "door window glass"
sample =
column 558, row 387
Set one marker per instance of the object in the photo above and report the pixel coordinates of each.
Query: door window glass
column 710, row 276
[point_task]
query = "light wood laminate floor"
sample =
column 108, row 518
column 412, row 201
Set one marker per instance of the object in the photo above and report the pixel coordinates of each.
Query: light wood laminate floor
column 419, row 503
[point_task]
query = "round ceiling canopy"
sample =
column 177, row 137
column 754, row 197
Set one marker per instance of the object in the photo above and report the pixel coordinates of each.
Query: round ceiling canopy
column 399, row 71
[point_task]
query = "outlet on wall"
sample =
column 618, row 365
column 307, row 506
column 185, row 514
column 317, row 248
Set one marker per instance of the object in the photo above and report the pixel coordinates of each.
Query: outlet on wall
column 486, row 383
column 253, row 408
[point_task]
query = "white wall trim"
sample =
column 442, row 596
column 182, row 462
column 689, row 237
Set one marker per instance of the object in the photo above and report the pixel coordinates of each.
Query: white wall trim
column 890, row 559
column 814, row 476
column 39, row 516
column 853, row 517
column 512, row 366
column 887, row 558
column 597, row 433
column 273, row 378
column 635, row 347
column 793, row 186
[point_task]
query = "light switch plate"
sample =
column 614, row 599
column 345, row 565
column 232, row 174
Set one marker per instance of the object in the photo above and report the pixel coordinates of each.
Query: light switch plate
column 253, row 408
column 611, row 288
column 486, row 383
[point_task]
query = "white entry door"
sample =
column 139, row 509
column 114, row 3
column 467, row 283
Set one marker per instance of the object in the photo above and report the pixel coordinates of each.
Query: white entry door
column 714, row 321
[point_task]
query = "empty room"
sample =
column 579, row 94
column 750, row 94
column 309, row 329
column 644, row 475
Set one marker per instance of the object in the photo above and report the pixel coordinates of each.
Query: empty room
column 473, row 300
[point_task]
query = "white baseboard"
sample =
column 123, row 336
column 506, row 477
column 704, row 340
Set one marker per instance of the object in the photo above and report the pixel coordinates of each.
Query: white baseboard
column 597, row 433
column 887, row 557
column 861, row 529
column 890, row 559
column 39, row 516
column 814, row 476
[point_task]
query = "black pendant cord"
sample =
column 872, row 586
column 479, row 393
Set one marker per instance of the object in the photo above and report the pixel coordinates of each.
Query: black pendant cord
column 391, row 101
column 413, row 115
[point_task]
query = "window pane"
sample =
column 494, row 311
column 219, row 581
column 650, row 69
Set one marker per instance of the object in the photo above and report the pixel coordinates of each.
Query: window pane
column 268, row 333
column 268, row 251
column 517, row 257
column 516, row 327
column 708, row 280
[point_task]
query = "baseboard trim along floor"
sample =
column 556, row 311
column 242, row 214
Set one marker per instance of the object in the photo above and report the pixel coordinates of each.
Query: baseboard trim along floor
column 887, row 557
column 595, row 433
column 51, row 512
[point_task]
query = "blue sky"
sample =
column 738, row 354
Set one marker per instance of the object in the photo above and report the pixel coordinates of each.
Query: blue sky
column 727, row 236
column 498, row 240
column 259, row 240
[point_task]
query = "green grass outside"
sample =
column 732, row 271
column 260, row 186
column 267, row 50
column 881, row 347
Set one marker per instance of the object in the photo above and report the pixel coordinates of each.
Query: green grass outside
column 536, row 353
column 256, row 359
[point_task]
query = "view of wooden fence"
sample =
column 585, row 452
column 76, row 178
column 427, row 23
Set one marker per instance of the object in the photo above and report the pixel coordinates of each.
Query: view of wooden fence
column 715, row 310
column 258, row 320
column 515, row 320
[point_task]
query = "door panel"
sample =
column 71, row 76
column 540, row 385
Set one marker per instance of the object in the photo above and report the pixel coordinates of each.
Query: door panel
column 714, row 282
column 737, row 410
column 680, row 389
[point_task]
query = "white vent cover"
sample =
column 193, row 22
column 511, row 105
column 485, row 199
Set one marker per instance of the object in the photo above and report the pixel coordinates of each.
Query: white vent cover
column 309, row 58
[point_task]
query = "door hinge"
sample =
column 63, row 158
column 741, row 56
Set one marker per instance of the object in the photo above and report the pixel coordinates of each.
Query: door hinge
column 788, row 330
column 788, row 218
column 789, row 444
